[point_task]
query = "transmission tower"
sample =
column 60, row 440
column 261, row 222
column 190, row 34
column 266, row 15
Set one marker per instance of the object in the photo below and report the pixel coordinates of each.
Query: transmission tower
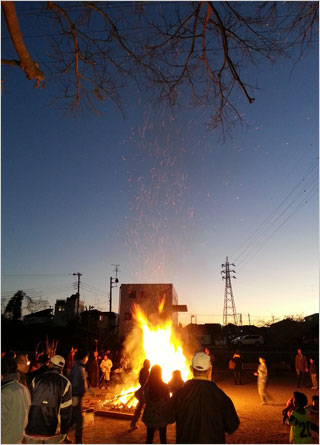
column 229, row 308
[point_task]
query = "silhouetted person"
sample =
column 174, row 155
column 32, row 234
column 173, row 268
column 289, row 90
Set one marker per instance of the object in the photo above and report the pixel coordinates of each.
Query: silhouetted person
column 203, row 412
column 78, row 379
column 70, row 360
column 93, row 370
column 43, row 361
column 300, row 363
column 176, row 381
column 156, row 394
column 237, row 372
column 143, row 378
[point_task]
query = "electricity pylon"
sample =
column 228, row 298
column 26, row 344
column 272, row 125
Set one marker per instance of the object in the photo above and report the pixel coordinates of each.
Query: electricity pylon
column 229, row 308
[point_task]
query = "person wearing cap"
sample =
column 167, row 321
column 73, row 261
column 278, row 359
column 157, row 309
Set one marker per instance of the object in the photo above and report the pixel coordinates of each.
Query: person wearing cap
column 203, row 412
column 51, row 403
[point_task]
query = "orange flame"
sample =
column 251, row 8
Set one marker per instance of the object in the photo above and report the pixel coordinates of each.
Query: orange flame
column 161, row 346
column 158, row 344
column 161, row 304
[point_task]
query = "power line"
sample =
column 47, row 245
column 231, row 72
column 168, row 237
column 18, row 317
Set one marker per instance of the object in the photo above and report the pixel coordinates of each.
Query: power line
column 305, row 189
column 259, row 246
column 260, row 228
column 37, row 275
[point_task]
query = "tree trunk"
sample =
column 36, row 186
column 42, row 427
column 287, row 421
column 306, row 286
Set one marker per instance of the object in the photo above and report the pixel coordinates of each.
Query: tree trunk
column 25, row 61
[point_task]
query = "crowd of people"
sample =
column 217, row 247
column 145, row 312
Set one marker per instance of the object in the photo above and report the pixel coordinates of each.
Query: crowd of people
column 203, row 413
column 46, row 395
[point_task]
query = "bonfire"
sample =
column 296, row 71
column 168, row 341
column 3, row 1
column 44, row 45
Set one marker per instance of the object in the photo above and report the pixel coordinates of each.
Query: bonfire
column 154, row 339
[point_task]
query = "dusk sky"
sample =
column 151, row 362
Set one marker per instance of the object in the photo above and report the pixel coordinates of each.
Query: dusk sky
column 163, row 197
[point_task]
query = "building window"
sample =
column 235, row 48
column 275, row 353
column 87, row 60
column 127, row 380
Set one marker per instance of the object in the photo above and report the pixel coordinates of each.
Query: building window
column 128, row 316
column 100, row 318
column 60, row 308
column 132, row 294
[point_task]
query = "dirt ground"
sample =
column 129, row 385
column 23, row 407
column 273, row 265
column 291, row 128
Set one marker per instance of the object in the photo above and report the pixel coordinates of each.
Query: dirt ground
column 259, row 424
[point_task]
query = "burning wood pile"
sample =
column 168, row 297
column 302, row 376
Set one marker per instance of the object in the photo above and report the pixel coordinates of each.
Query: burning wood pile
column 152, row 339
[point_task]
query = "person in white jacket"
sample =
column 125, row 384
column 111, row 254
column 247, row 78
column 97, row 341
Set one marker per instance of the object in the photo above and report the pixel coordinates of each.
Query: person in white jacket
column 262, row 373
column 106, row 365
column 15, row 404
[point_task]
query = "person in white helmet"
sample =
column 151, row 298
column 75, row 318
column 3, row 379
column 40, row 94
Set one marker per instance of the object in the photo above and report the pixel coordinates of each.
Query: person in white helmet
column 51, row 405
column 203, row 412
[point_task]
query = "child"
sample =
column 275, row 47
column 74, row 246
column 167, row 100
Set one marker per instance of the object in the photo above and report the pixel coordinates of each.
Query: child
column 313, row 374
column 299, row 420
column 287, row 411
column 313, row 411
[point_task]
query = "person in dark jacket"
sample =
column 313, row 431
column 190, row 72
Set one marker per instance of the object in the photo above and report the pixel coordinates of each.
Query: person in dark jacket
column 237, row 372
column 50, row 412
column 313, row 373
column 93, row 370
column 156, row 394
column 70, row 360
column 203, row 412
column 176, row 381
column 43, row 361
column 78, row 379
column 143, row 378
column 300, row 363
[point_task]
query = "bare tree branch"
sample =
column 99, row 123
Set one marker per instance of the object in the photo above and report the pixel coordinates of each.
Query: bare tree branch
column 174, row 50
column 30, row 67
column 226, row 54
column 52, row 5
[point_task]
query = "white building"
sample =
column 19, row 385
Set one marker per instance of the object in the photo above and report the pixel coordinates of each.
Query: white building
column 148, row 297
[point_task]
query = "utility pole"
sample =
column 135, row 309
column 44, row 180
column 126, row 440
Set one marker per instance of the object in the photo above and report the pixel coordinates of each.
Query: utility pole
column 240, row 319
column 249, row 318
column 113, row 283
column 78, row 292
column 229, row 308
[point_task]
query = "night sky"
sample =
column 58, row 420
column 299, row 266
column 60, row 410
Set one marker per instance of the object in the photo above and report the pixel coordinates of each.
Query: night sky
column 162, row 196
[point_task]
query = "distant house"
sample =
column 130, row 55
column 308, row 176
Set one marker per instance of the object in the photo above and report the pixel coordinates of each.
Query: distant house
column 312, row 319
column 96, row 320
column 67, row 310
column 152, row 299
column 202, row 335
column 43, row 316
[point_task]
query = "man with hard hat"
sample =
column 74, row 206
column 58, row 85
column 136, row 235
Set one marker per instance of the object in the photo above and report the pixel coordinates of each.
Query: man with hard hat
column 203, row 412
column 51, row 404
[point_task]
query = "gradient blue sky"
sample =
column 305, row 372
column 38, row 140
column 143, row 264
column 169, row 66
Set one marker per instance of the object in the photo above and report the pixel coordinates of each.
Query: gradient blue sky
column 164, row 198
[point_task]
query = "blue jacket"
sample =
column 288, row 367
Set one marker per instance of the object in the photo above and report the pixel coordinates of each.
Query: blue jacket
column 78, row 378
